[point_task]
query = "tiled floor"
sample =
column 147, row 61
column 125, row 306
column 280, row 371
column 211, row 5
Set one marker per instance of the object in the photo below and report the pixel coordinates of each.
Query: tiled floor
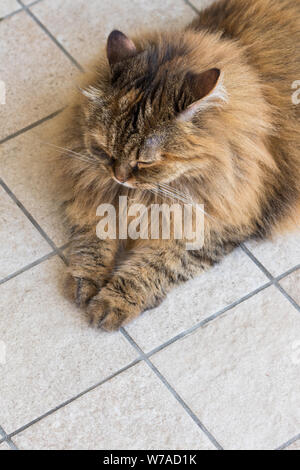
column 217, row 365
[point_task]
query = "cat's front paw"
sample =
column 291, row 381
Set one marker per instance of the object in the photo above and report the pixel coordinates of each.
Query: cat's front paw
column 109, row 310
column 80, row 290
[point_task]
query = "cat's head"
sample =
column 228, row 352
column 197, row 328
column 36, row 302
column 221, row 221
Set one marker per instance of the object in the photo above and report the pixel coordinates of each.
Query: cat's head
column 143, row 118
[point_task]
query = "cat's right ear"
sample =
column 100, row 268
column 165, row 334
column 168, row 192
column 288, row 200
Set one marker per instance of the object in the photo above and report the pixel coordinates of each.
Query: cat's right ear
column 119, row 47
column 207, row 89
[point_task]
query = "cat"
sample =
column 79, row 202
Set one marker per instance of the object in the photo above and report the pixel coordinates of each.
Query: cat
column 203, row 114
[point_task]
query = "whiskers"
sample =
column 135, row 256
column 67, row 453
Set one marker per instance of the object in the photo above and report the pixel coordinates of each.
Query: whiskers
column 160, row 191
column 165, row 190
column 85, row 158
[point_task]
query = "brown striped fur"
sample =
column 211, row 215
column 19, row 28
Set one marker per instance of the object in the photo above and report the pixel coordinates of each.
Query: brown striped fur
column 239, row 156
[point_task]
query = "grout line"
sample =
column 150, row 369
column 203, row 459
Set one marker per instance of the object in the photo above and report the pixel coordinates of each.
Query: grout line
column 53, row 38
column 70, row 400
column 31, row 126
column 273, row 279
column 266, row 272
column 33, row 221
column 171, row 390
column 208, row 320
column 12, row 13
column 287, row 296
column 2, row 432
column 191, row 6
column 11, row 444
column 29, row 266
column 289, row 443
column 33, row 264
column 6, row 439
column 257, row 262
column 287, row 273
column 9, row 15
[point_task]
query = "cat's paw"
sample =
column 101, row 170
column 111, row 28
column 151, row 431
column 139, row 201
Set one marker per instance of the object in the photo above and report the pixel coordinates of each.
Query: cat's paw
column 80, row 290
column 109, row 311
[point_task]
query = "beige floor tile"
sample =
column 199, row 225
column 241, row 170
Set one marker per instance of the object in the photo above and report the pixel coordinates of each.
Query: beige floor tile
column 27, row 168
column 295, row 446
column 8, row 6
column 4, row 446
column 196, row 300
column 132, row 411
column 279, row 255
column 51, row 353
column 240, row 374
column 30, row 2
column 99, row 17
column 35, row 70
column 201, row 4
column 20, row 242
column 291, row 284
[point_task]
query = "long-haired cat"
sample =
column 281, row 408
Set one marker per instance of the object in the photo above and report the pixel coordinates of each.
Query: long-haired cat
column 205, row 115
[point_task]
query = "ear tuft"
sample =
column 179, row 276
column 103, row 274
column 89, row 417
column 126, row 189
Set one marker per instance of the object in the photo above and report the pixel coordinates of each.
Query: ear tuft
column 203, row 84
column 207, row 90
column 91, row 93
column 119, row 47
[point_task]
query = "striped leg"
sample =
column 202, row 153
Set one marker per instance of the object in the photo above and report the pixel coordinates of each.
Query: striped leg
column 143, row 281
column 90, row 265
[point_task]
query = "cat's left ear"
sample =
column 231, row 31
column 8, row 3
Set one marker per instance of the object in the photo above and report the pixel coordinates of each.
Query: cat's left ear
column 119, row 47
column 207, row 90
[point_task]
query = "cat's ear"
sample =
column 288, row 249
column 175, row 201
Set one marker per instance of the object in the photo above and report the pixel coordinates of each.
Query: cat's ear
column 119, row 47
column 207, row 90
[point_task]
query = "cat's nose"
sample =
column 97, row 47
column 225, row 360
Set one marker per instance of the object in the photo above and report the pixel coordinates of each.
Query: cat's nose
column 121, row 174
column 121, row 179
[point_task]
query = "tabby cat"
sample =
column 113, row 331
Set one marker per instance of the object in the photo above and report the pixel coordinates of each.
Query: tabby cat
column 203, row 114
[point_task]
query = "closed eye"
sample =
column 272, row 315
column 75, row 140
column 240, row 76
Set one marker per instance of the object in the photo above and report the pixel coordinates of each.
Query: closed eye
column 100, row 152
column 141, row 164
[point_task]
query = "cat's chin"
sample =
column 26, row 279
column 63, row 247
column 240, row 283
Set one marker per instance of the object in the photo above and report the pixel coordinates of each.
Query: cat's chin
column 131, row 185
column 126, row 184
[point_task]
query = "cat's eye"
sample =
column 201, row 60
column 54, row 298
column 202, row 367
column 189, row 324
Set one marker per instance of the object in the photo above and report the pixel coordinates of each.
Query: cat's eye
column 141, row 164
column 99, row 152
